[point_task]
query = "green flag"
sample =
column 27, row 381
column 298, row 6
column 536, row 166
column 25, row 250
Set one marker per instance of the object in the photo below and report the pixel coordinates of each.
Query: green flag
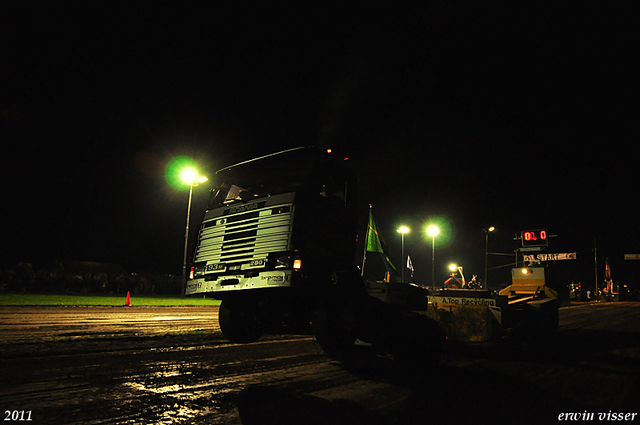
column 375, row 243
column 373, row 238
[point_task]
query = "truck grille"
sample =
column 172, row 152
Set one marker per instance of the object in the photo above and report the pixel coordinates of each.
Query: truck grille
column 237, row 238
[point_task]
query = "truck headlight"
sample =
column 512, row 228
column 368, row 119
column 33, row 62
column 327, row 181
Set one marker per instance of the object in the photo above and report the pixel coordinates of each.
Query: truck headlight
column 283, row 262
column 196, row 271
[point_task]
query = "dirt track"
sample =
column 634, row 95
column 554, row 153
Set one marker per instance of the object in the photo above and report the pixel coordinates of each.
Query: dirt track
column 22, row 324
column 115, row 365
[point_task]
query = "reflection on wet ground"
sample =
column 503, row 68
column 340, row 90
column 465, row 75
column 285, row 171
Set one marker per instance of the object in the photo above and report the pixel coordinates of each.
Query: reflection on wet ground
column 156, row 376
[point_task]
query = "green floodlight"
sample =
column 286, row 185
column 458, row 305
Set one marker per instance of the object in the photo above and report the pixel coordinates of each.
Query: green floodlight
column 438, row 228
column 189, row 175
column 181, row 170
column 404, row 230
column 433, row 231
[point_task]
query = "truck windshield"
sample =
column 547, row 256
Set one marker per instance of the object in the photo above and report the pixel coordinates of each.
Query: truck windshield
column 280, row 173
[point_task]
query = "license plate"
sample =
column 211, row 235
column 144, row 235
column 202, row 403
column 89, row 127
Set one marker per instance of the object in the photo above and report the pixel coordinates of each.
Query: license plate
column 254, row 264
column 216, row 267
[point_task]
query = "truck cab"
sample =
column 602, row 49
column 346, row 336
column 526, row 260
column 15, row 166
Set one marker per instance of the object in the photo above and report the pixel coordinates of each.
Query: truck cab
column 277, row 239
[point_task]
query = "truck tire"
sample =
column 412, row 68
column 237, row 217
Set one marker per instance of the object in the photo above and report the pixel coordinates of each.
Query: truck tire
column 331, row 331
column 239, row 322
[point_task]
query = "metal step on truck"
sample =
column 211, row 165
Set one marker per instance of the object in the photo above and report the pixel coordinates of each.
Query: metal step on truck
column 277, row 246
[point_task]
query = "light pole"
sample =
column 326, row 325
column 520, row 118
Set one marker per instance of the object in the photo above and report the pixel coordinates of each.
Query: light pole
column 486, row 252
column 403, row 230
column 433, row 231
column 190, row 177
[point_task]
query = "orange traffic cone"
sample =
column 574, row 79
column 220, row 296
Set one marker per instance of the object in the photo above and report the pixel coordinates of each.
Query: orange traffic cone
column 127, row 303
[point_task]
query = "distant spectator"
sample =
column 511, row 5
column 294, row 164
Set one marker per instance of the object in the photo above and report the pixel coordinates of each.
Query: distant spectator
column 453, row 282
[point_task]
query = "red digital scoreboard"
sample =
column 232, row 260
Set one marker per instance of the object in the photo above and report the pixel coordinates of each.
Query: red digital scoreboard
column 534, row 238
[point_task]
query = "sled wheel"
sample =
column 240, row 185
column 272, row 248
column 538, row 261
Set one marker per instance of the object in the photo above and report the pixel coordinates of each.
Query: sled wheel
column 550, row 319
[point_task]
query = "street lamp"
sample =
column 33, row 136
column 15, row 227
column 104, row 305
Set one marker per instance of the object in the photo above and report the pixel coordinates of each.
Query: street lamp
column 403, row 230
column 189, row 176
column 433, row 231
column 486, row 252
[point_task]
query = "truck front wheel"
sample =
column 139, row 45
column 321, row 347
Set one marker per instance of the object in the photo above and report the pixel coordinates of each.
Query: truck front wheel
column 239, row 322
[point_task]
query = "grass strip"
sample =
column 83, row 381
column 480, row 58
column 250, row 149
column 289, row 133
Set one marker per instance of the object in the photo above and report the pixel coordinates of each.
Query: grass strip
column 33, row 299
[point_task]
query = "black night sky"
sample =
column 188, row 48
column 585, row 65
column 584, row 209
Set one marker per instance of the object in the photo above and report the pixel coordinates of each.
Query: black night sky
column 518, row 117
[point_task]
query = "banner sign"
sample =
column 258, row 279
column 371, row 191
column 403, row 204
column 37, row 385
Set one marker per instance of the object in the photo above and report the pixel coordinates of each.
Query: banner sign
column 551, row 257
column 478, row 302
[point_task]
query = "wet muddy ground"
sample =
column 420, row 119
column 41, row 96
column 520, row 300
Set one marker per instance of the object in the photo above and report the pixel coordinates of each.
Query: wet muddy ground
column 155, row 365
